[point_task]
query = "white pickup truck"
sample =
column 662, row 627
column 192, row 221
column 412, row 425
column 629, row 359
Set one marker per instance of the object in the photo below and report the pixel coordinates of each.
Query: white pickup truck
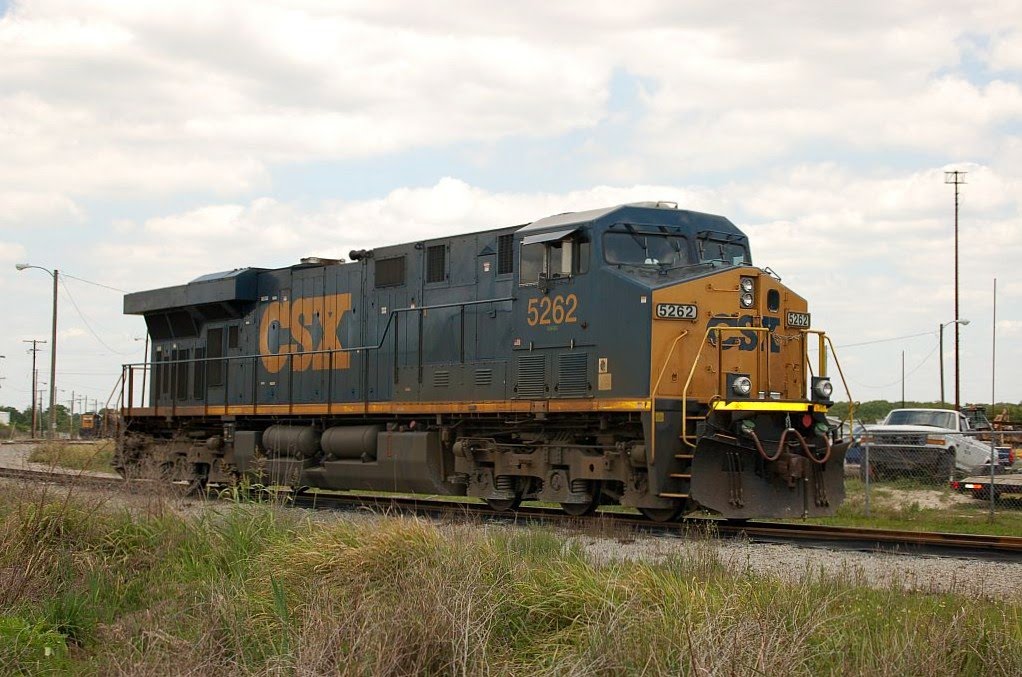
column 925, row 442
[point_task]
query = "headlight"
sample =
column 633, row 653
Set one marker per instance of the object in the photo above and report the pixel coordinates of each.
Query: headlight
column 747, row 284
column 747, row 300
column 822, row 388
column 742, row 386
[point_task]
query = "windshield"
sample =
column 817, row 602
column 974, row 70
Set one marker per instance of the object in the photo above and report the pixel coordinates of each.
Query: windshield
column 634, row 248
column 934, row 419
column 719, row 250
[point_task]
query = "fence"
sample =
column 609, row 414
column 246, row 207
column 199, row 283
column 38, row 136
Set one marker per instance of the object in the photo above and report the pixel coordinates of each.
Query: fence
column 936, row 469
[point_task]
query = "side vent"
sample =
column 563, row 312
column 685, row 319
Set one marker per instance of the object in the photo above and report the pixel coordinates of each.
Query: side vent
column 531, row 376
column 441, row 379
column 572, row 376
column 484, row 377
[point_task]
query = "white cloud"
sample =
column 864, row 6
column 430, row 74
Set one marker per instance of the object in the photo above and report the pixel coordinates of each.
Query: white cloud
column 11, row 252
column 150, row 135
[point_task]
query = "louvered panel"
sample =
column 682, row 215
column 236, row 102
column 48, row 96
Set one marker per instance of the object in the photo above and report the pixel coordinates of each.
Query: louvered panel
column 531, row 376
column 484, row 377
column 572, row 377
column 441, row 379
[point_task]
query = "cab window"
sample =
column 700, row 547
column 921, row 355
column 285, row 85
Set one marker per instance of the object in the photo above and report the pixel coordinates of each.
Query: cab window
column 636, row 248
column 734, row 253
column 554, row 259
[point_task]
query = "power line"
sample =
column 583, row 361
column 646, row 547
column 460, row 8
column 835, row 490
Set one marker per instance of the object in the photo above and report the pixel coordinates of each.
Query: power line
column 95, row 284
column 886, row 340
column 897, row 381
column 86, row 322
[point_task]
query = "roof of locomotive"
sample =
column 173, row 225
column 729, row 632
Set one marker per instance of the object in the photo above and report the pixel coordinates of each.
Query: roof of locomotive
column 240, row 284
column 640, row 213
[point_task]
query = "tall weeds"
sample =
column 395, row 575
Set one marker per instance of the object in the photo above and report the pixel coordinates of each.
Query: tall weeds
column 253, row 589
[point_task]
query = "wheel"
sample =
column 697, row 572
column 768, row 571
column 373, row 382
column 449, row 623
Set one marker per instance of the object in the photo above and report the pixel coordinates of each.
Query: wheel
column 504, row 504
column 582, row 509
column 661, row 514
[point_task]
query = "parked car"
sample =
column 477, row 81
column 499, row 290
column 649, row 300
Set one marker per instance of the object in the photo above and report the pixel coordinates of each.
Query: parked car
column 934, row 443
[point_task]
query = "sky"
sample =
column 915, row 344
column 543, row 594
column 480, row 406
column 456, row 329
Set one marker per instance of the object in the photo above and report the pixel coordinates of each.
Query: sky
column 143, row 144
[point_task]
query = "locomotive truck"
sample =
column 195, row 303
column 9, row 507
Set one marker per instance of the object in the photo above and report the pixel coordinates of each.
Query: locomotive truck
column 629, row 355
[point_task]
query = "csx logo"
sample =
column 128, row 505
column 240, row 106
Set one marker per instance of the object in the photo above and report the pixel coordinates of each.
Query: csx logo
column 300, row 326
column 743, row 340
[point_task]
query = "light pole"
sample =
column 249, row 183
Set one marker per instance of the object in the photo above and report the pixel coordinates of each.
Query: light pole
column 955, row 322
column 53, row 347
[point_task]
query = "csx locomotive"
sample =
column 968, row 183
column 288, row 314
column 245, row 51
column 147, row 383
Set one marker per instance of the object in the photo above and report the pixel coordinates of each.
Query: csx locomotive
column 630, row 355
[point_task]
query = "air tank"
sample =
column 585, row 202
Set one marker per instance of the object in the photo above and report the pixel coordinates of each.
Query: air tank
column 287, row 440
column 351, row 442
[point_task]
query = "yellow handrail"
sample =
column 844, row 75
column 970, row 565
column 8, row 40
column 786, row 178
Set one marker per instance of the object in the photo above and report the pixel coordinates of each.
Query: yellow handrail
column 823, row 339
column 684, row 393
column 656, row 387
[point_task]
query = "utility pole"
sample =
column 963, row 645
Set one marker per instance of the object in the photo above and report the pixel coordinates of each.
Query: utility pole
column 35, row 379
column 957, row 178
column 903, row 379
column 71, row 419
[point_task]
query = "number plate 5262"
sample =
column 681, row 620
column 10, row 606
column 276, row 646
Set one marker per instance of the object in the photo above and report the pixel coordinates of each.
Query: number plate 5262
column 677, row 311
column 798, row 320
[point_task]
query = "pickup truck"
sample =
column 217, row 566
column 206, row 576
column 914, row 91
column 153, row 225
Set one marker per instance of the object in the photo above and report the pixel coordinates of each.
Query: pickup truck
column 925, row 442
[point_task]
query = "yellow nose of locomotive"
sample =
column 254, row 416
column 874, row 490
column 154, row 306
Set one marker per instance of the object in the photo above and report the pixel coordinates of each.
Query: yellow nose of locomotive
column 732, row 347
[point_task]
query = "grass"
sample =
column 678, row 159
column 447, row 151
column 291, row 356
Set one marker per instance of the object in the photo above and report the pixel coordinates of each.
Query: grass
column 97, row 457
column 903, row 504
column 89, row 588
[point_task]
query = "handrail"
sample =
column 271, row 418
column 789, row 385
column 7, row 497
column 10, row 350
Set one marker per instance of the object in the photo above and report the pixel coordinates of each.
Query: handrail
column 824, row 341
column 652, row 399
column 156, row 366
column 844, row 382
column 719, row 329
column 309, row 353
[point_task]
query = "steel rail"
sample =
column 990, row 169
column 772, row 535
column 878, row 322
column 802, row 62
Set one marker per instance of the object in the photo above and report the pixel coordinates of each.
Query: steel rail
column 856, row 538
column 978, row 546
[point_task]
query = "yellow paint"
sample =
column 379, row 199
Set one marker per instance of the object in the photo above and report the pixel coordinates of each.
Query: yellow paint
column 300, row 317
column 716, row 298
column 765, row 405
column 404, row 408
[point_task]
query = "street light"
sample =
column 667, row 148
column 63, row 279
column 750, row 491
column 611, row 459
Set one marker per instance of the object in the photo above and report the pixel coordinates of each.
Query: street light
column 53, row 346
column 963, row 323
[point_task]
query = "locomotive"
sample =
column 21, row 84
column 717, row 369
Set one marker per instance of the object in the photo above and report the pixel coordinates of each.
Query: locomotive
column 630, row 355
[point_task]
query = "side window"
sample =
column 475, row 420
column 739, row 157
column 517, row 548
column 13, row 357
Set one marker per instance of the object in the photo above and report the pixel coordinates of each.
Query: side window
column 532, row 263
column 232, row 336
column 555, row 259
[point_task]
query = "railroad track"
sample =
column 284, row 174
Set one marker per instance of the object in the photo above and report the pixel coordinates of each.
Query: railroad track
column 1003, row 548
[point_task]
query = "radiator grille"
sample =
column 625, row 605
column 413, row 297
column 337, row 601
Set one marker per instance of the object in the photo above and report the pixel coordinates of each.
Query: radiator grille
column 572, row 379
column 531, row 376
column 901, row 439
